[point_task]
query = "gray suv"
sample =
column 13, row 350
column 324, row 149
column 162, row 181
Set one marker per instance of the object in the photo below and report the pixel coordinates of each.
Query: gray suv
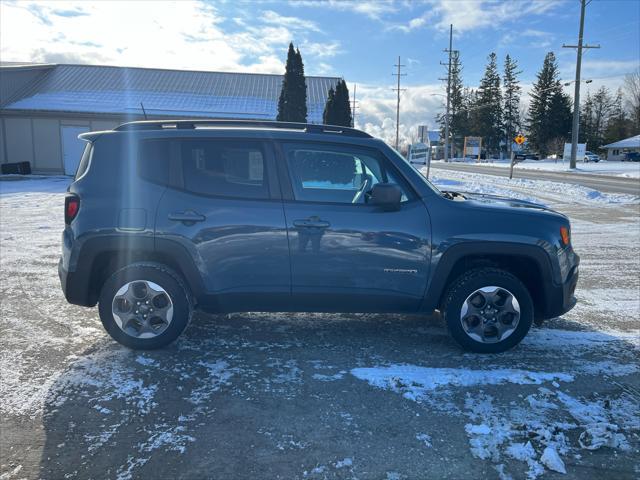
column 228, row 215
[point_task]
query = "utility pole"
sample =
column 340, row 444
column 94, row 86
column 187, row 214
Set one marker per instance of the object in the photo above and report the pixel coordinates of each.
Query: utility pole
column 576, row 96
column 398, row 89
column 450, row 51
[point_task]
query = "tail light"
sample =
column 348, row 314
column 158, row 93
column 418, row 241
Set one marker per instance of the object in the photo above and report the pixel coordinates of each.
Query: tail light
column 565, row 235
column 71, row 208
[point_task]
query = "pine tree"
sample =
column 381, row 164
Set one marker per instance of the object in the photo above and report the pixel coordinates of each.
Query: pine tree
column 458, row 114
column 586, row 134
column 337, row 110
column 328, row 116
column 549, row 115
column 489, row 107
column 511, row 111
column 292, row 105
column 619, row 125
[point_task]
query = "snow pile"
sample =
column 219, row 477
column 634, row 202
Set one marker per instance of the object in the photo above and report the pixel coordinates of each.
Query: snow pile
column 609, row 168
column 414, row 382
column 538, row 191
column 534, row 430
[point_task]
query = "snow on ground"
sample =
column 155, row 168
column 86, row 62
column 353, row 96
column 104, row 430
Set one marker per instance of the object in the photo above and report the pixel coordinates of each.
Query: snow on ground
column 321, row 396
column 603, row 167
column 524, row 189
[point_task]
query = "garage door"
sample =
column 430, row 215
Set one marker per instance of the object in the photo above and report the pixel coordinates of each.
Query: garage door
column 72, row 148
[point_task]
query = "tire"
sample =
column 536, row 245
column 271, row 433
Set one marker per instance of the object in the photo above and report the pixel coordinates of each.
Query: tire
column 148, row 285
column 472, row 289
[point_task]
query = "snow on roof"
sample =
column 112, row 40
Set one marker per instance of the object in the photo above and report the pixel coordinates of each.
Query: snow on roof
column 631, row 142
column 104, row 89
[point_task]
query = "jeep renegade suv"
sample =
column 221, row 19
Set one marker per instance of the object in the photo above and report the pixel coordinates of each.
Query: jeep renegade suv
column 229, row 216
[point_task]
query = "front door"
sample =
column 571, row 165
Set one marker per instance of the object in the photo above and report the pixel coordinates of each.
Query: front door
column 72, row 147
column 347, row 254
column 224, row 206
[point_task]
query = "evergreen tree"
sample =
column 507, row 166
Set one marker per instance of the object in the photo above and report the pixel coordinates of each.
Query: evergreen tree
column 619, row 125
column 489, row 107
column 292, row 105
column 328, row 116
column 337, row 110
column 586, row 134
column 632, row 96
column 511, row 112
column 458, row 115
column 549, row 115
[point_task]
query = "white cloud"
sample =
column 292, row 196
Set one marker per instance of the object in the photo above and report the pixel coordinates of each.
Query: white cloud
column 181, row 35
column 320, row 50
column 376, row 110
column 374, row 9
column 294, row 23
column 468, row 15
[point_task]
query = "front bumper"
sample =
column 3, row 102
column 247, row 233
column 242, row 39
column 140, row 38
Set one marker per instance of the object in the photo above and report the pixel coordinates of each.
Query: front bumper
column 562, row 298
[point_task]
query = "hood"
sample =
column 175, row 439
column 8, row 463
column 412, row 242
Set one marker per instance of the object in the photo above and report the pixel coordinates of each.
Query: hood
column 495, row 200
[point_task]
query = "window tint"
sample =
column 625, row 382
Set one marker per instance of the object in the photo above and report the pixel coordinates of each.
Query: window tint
column 332, row 175
column 83, row 166
column 223, row 168
column 154, row 161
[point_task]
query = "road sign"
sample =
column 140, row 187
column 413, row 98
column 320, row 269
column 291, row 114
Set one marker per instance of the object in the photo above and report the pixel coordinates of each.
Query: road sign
column 520, row 139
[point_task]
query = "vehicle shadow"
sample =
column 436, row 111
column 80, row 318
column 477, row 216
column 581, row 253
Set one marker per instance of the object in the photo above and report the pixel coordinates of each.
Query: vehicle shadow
column 263, row 396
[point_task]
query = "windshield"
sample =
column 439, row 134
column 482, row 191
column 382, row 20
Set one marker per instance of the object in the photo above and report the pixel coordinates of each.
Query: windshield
column 420, row 175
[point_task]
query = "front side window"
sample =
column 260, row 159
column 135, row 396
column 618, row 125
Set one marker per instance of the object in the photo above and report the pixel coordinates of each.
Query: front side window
column 334, row 175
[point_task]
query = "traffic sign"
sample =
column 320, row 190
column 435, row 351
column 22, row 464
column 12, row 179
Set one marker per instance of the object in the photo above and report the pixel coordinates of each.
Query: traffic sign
column 520, row 139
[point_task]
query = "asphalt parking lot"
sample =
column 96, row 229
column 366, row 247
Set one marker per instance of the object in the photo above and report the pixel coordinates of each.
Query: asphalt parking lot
column 313, row 395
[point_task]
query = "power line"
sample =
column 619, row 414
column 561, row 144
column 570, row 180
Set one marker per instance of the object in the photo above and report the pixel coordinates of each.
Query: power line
column 398, row 89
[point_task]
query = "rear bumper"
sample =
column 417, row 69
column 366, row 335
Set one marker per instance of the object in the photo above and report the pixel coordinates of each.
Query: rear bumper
column 75, row 286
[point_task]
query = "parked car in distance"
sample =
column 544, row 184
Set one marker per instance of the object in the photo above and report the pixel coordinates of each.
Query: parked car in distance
column 521, row 156
column 234, row 216
column 631, row 157
column 591, row 157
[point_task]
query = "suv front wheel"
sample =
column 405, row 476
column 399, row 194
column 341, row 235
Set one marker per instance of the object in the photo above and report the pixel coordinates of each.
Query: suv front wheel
column 488, row 310
column 144, row 306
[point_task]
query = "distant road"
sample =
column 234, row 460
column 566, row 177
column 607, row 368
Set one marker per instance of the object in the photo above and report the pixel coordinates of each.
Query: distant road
column 602, row 183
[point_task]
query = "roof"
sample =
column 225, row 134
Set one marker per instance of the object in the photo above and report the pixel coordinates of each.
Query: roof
column 631, row 142
column 121, row 90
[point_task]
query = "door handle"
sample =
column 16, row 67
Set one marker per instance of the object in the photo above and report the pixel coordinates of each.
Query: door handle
column 188, row 217
column 311, row 222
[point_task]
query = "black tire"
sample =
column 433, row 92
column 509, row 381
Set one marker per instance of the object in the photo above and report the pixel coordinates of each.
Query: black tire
column 461, row 288
column 165, row 278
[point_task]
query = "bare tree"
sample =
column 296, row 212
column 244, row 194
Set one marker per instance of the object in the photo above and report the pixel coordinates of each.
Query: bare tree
column 632, row 97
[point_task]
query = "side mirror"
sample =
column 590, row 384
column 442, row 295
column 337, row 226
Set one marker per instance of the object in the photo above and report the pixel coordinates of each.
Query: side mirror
column 387, row 196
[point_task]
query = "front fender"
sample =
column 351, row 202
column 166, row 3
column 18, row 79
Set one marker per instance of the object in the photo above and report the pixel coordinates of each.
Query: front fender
column 451, row 251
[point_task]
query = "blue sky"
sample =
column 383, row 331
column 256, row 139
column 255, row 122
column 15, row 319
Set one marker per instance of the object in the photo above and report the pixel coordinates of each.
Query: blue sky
column 359, row 41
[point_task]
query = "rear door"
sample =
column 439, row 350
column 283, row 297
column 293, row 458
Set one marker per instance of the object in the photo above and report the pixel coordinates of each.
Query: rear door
column 347, row 254
column 224, row 206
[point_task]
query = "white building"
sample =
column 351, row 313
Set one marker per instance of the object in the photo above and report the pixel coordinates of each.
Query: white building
column 616, row 150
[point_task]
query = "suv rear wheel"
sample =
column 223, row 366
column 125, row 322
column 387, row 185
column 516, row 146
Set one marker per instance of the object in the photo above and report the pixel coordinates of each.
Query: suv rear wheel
column 488, row 310
column 144, row 306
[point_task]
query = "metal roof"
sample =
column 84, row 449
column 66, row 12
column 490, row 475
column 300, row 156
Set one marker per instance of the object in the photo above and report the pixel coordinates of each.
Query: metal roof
column 631, row 142
column 120, row 90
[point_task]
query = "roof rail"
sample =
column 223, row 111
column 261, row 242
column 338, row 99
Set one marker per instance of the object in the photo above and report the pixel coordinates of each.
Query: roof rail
column 192, row 124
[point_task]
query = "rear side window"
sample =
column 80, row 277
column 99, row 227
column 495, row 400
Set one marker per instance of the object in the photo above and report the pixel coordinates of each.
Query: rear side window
column 83, row 166
column 211, row 167
column 153, row 164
